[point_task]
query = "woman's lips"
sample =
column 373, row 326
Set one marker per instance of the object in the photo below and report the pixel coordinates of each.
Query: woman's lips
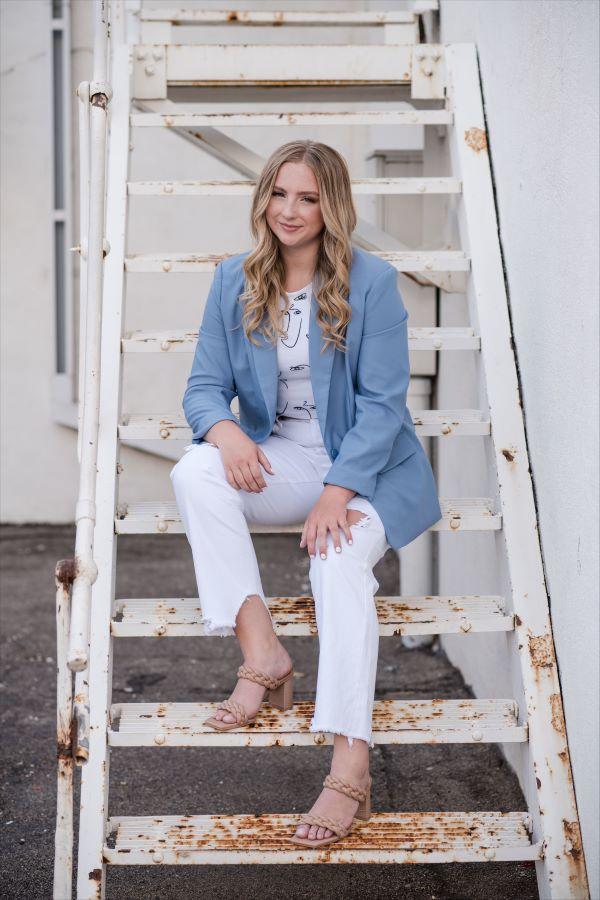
column 290, row 227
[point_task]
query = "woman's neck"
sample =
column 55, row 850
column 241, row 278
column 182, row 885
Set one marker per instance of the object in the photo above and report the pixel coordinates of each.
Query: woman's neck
column 300, row 264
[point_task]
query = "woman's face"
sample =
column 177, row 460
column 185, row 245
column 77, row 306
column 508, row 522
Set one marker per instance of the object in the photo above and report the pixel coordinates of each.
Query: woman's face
column 295, row 202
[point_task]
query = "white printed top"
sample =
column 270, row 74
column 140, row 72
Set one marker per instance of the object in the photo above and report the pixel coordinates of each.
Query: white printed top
column 295, row 398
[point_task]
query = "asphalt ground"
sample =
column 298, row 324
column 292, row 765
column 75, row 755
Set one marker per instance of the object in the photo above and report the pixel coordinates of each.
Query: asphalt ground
column 150, row 781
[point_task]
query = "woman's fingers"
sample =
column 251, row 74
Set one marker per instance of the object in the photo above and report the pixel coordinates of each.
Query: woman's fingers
column 346, row 530
column 264, row 461
column 254, row 478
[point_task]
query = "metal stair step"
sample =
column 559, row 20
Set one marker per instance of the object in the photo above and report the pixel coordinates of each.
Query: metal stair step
column 182, row 341
column 162, row 517
column 425, row 261
column 292, row 117
column 427, row 422
column 368, row 186
column 182, row 616
column 273, row 64
column 394, row 722
column 184, row 16
column 426, row 837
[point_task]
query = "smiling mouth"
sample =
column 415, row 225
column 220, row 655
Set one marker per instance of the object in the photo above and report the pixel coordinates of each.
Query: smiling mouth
column 290, row 227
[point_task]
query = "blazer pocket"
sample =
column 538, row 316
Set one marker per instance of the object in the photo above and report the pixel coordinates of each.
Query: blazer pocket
column 402, row 448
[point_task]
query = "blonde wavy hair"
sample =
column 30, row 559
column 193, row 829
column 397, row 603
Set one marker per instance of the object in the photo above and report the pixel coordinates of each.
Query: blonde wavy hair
column 264, row 268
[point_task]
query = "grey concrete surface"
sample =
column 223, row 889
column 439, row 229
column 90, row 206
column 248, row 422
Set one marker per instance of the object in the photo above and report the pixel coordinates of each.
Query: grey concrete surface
column 198, row 780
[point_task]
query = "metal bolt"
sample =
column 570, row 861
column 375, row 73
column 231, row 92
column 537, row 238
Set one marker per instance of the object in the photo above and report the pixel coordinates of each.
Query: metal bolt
column 166, row 266
column 419, row 54
column 446, row 429
column 161, row 525
column 157, row 856
column 165, row 345
column 465, row 625
column 455, row 522
column 149, row 69
column 490, row 853
column 428, row 72
column 477, row 734
column 159, row 738
column 159, row 630
column 437, row 343
column 141, row 54
column 157, row 54
column 168, row 188
column 164, row 432
column 169, row 120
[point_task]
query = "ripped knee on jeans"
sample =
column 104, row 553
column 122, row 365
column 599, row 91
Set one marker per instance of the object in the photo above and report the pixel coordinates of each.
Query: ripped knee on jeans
column 359, row 518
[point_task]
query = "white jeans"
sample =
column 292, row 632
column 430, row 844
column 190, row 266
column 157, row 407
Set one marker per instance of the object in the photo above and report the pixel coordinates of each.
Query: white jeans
column 216, row 516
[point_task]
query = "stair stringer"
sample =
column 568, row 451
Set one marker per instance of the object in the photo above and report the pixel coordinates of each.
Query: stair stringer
column 91, row 869
column 547, row 781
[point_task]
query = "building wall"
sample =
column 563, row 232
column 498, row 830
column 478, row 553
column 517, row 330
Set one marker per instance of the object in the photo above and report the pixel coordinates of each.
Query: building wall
column 38, row 457
column 539, row 70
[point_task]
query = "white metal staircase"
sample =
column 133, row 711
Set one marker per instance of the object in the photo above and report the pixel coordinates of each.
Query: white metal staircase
column 441, row 83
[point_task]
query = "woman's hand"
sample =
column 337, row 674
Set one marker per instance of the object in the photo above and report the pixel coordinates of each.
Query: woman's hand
column 241, row 457
column 328, row 514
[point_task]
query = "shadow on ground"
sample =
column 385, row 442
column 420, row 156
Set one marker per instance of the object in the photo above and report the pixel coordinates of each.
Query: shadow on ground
column 182, row 781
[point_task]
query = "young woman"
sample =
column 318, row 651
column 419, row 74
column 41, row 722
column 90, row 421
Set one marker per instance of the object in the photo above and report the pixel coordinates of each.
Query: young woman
column 310, row 333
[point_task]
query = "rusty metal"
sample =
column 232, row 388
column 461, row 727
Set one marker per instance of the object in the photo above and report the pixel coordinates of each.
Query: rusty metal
column 436, row 721
column 476, row 139
column 64, row 575
column 386, row 838
column 294, row 616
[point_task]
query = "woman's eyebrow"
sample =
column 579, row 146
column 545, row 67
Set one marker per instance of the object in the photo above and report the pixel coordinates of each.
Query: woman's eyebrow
column 303, row 193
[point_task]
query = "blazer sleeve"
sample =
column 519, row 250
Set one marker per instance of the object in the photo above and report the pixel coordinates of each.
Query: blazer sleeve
column 211, row 386
column 383, row 374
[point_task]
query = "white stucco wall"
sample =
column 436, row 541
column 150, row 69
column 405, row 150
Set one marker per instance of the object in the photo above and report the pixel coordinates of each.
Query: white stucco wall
column 38, row 457
column 539, row 68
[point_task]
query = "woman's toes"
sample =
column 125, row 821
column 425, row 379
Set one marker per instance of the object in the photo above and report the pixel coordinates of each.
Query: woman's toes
column 302, row 831
column 312, row 834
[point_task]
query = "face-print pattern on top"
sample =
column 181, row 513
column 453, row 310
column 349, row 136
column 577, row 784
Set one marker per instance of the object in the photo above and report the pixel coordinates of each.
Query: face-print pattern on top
column 294, row 388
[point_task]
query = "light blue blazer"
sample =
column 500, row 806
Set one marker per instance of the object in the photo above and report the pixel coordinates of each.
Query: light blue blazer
column 360, row 395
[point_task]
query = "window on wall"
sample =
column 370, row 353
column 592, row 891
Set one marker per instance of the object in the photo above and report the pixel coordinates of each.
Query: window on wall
column 61, row 190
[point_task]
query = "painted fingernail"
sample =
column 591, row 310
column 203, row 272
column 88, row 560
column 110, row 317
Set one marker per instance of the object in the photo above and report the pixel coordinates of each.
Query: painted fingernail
column 323, row 556
column 338, row 549
column 312, row 555
column 350, row 541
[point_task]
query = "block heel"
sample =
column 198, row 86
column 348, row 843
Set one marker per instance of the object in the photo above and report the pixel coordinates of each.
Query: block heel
column 282, row 697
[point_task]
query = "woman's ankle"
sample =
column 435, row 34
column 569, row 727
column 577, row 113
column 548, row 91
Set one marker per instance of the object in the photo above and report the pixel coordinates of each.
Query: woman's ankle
column 268, row 654
column 350, row 761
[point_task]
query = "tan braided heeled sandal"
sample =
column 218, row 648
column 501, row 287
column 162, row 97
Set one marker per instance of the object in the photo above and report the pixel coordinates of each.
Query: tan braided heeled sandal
column 280, row 696
column 363, row 795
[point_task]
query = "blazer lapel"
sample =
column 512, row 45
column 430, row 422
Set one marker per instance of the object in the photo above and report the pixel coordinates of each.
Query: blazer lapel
column 265, row 362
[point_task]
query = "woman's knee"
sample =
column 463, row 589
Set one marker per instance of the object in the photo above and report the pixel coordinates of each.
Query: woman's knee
column 199, row 463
